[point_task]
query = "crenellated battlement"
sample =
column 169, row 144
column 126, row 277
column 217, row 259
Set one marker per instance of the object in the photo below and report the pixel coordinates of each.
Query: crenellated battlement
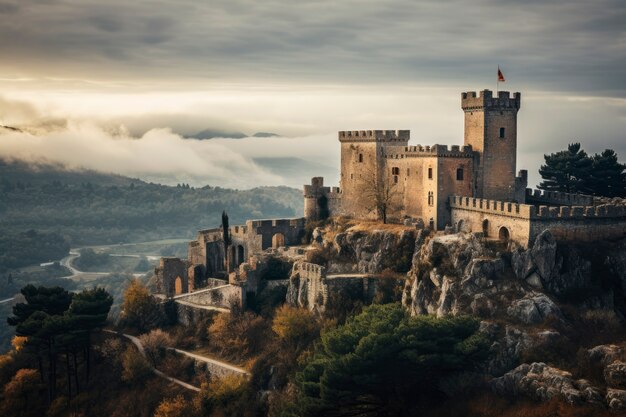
column 559, row 198
column 453, row 151
column 485, row 100
column 296, row 222
column 502, row 208
column 374, row 135
column 311, row 191
column 580, row 212
column 528, row 211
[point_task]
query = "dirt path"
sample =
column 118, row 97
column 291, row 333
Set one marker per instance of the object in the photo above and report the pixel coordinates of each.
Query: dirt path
column 215, row 362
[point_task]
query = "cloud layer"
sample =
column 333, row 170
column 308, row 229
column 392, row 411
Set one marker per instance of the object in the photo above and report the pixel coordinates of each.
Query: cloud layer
column 574, row 45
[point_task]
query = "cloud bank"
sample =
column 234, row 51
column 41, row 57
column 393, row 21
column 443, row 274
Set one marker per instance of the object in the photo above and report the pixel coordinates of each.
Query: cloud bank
column 573, row 45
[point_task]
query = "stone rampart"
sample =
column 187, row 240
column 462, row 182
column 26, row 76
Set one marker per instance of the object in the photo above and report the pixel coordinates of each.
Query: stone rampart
column 311, row 287
column 500, row 208
column 559, row 198
column 524, row 222
column 220, row 296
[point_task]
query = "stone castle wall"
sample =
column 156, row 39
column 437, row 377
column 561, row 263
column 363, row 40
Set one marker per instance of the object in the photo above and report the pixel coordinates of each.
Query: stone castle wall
column 525, row 222
column 169, row 271
column 207, row 255
column 556, row 198
column 310, row 287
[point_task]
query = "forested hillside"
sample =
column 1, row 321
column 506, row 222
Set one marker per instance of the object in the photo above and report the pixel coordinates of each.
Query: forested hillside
column 92, row 208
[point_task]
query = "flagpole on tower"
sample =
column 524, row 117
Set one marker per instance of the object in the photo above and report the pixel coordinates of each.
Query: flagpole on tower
column 499, row 79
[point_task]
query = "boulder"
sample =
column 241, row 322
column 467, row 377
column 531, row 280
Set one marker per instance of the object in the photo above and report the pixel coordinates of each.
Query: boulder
column 615, row 374
column 542, row 382
column 543, row 255
column 616, row 399
column 534, row 309
column 605, row 354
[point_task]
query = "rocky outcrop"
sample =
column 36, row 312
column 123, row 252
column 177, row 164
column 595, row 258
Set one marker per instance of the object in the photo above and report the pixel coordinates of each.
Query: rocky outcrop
column 534, row 308
column 616, row 399
column 372, row 252
column 454, row 274
column 615, row 374
column 542, row 382
column 605, row 354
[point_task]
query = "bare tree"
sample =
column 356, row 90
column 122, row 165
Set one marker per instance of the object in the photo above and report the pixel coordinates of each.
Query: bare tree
column 378, row 193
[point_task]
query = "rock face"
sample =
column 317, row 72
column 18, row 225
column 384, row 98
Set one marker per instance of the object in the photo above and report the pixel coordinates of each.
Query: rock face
column 372, row 252
column 457, row 274
column 542, row 382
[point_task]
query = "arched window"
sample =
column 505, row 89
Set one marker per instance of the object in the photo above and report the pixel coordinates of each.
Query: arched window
column 395, row 171
column 431, row 198
column 459, row 174
column 430, row 173
column 360, row 157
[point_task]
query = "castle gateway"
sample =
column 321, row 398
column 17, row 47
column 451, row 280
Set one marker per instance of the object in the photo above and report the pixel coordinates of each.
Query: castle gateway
column 471, row 187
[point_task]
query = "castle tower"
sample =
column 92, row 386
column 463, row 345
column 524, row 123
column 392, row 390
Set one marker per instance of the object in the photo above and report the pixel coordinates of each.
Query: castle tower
column 491, row 130
column 362, row 158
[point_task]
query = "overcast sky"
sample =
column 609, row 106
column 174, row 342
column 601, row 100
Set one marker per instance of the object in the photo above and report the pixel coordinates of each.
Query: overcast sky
column 115, row 85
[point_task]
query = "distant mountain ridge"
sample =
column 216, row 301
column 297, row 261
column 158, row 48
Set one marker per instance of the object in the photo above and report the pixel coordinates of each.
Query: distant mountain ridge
column 46, row 172
column 213, row 133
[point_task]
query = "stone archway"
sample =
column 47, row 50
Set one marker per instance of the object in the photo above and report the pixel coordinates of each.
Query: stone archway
column 278, row 240
column 503, row 234
column 486, row 228
column 178, row 286
column 463, row 226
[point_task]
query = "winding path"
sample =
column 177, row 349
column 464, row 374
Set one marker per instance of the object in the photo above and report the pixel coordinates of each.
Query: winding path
column 137, row 343
column 227, row 366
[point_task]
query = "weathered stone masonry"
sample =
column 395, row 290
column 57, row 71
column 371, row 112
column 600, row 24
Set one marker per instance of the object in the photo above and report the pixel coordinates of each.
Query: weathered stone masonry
column 524, row 222
column 471, row 187
column 207, row 257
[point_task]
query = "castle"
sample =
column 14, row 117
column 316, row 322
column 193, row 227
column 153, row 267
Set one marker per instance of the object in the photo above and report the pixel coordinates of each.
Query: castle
column 469, row 188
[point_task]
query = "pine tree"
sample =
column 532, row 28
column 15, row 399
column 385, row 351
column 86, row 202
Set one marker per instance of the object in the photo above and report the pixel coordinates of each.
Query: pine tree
column 567, row 170
column 607, row 176
column 384, row 362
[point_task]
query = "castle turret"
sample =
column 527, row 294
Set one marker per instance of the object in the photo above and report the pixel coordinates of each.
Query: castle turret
column 491, row 130
column 319, row 201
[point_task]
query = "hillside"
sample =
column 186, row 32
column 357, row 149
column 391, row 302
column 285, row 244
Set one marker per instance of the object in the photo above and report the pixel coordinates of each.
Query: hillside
column 88, row 207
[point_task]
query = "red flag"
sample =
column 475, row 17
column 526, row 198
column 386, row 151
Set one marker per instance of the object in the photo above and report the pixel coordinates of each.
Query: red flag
column 500, row 76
